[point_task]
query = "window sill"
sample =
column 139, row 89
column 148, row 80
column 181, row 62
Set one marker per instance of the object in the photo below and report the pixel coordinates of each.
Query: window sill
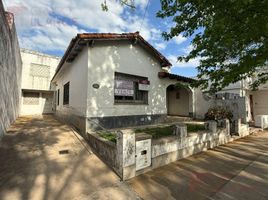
column 130, row 103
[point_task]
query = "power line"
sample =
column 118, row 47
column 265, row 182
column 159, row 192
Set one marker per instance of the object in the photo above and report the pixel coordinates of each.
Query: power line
column 146, row 8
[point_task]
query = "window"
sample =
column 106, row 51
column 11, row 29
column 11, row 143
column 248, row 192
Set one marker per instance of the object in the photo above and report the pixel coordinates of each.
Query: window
column 30, row 98
column 127, row 89
column 66, row 89
column 40, row 76
column 58, row 97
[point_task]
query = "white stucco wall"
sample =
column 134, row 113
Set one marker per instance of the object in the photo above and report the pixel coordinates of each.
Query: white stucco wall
column 106, row 58
column 32, row 57
column 76, row 73
column 201, row 103
column 37, row 85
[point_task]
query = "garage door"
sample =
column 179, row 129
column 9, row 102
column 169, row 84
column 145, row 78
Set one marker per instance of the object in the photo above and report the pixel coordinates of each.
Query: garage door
column 260, row 101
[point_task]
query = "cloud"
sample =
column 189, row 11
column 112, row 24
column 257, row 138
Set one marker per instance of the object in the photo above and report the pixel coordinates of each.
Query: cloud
column 161, row 45
column 50, row 25
column 186, row 50
column 175, row 63
column 179, row 39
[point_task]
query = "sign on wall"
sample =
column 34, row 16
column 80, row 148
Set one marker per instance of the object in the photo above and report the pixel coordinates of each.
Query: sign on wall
column 124, row 88
column 144, row 87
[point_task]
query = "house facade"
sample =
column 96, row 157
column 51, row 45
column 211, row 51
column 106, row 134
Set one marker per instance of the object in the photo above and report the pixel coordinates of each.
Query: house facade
column 37, row 91
column 116, row 80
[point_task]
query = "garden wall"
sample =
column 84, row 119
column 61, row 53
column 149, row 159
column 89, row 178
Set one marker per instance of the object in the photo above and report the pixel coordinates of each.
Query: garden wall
column 133, row 150
column 105, row 149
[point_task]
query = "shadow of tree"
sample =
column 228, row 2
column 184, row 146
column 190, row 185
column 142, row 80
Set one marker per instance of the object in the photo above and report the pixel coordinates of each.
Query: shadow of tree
column 32, row 168
column 204, row 175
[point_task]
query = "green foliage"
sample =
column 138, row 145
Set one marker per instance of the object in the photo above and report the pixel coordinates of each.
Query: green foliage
column 127, row 3
column 164, row 131
column 195, row 127
column 218, row 113
column 108, row 136
column 157, row 132
column 180, row 85
column 230, row 37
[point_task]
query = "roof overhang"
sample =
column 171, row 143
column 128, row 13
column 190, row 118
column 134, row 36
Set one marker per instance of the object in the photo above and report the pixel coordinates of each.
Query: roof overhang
column 175, row 77
column 87, row 39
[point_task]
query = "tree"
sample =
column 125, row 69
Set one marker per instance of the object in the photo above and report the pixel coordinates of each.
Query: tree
column 229, row 36
column 128, row 3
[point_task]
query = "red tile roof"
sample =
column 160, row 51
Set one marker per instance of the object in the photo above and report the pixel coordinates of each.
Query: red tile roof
column 77, row 43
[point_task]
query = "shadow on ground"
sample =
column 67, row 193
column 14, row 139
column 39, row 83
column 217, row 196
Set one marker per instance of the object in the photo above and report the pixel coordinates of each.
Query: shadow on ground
column 32, row 167
column 238, row 170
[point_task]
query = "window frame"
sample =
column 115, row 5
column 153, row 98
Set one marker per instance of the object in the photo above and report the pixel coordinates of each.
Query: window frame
column 135, row 79
column 66, row 93
column 58, row 97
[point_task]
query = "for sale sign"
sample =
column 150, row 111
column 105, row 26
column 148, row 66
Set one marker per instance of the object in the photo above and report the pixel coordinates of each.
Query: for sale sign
column 124, row 88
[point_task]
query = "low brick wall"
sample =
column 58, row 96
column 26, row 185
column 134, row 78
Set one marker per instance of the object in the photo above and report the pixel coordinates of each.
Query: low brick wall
column 106, row 150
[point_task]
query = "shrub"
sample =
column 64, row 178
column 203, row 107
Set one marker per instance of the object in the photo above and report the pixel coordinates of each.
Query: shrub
column 218, row 113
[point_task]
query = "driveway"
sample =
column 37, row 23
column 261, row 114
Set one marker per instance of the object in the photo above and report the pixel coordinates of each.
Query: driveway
column 41, row 158
column 236, row 171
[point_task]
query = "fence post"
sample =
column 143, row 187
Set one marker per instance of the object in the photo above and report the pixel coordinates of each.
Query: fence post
column 126, row 150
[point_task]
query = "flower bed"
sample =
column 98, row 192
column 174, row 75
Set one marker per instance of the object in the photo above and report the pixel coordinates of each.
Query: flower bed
column 163, row 131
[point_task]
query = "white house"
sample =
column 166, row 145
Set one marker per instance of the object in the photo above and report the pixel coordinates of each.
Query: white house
column 37, row 72
column 114, row 80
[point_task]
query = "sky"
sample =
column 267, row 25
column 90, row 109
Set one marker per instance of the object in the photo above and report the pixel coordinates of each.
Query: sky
column 48, row 26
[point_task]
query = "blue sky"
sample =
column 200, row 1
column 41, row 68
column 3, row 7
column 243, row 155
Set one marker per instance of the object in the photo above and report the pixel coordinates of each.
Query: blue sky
column 48, row 26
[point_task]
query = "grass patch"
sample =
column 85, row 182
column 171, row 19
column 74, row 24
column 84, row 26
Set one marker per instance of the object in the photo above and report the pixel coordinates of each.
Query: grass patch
column 108, row 136
column 195, row 127
column 158, row 132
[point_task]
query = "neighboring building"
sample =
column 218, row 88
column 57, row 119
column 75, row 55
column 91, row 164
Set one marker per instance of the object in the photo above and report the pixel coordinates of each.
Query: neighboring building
column 114, row 80
column 37, row 92
column 10, row 71
column 256, row 101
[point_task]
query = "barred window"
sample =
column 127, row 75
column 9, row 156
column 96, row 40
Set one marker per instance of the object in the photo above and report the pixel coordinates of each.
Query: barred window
column 130, row 89
column 30, row 98
column 66, row 89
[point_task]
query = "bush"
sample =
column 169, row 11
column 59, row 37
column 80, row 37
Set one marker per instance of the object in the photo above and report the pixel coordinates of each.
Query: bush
column 218, row 113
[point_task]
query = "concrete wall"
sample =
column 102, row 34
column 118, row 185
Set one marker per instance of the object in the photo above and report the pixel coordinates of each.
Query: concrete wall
column 77, row 74
column 202, row 103
column 106, row 58
column 169, row 149
column 10, row 72
column 29, row 58
column 44, row 106
column 106, row 150
column 38, row 84
column 237, row 106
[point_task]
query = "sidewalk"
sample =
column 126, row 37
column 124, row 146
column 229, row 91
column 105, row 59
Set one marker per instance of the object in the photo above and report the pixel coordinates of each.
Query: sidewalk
column 236, row 171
